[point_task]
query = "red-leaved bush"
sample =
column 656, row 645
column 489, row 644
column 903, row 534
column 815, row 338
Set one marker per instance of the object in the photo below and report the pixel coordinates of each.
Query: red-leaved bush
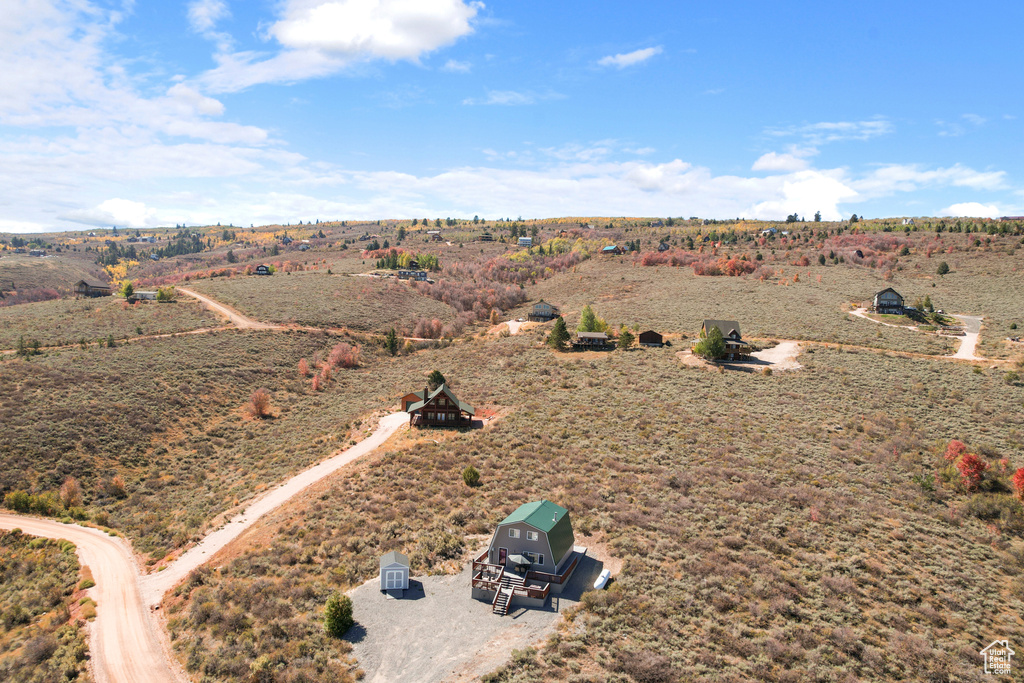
column 344, row 356
column 303, row 367
column 1018, row 484
column 954, row 450
column 972, row 470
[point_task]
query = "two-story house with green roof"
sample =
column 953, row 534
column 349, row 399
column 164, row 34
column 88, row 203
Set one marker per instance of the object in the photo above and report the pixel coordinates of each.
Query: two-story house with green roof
column 532, row 553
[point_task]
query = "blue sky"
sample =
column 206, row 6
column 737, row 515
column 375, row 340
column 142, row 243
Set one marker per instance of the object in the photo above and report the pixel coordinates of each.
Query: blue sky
column 131, row 113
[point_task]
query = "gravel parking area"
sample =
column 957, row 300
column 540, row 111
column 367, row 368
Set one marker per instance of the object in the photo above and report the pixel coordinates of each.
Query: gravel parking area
column 437, row 632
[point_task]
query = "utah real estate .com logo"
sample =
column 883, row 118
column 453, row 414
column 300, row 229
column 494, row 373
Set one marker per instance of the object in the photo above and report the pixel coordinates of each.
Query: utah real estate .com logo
column 997, row 657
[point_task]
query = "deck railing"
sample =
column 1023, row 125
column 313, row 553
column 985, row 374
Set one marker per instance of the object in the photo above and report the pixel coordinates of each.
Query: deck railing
column 555, row 578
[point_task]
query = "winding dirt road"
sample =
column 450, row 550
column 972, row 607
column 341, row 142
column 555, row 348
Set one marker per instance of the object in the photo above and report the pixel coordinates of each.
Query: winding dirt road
column 240, row 321
column 968, row 343
column 125, row 639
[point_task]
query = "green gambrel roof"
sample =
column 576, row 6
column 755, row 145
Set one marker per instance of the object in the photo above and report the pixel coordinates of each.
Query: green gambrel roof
column 447, row 392
column 551, row 519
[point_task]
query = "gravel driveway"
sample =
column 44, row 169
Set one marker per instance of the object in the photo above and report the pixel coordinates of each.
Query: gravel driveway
column 437, row 632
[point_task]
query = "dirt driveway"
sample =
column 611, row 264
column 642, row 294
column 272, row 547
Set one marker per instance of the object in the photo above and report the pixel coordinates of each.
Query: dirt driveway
column 123, row 638
column 437, row 632
column 972, row 329
column 240, row 321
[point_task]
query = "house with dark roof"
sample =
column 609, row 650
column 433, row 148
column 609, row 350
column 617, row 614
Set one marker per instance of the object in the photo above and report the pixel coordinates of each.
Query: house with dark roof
column 735, row 347
column 91, row 289
column 439, row 408
column 543, row 312
column 263, row 269
column 532, row 553
column 888, row 301
column 650, row 338
column 591, row 340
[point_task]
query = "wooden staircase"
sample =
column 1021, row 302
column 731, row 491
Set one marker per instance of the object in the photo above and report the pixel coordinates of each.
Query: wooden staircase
column 503, row 597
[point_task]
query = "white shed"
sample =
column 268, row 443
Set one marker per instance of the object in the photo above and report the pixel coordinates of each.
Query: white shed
column 394, row 571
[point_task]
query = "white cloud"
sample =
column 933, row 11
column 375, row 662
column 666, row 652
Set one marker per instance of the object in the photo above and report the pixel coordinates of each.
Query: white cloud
column 892, row 178
column 621, row 61
column 773, row 161
column 975, row 119
column 322, row 37
column 507, row 98
column 120, row 212
column 203, row 15
column 971, row 209
column 836, row 131
column 456, row 66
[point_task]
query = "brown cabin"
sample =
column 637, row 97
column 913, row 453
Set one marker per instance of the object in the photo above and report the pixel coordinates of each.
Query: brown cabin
column 651, row 338
column 91, row 289
column 735, row 347
column 440, row 408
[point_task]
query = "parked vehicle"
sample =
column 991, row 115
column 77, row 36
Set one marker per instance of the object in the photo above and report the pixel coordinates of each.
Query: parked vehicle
column 602, row 579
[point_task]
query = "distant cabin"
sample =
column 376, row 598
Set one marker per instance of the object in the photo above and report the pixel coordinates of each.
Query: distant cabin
column 613, row 250
column 303, row 247
column 543, row 311
column 486, row 237
column 412, row 275
column 651, row 338
column 440, row 408
column 908, row 221
column 286, row 240
column 735, row 347
column 598, row 340
column 435, row 235
column 663, row 246
column 142, row 296
column 888, row 301
column 394, row 571
column 526, row 241
column 263, row 270
column 656, row 224
column 37, row 252
column 769, row 232
column 90, row 289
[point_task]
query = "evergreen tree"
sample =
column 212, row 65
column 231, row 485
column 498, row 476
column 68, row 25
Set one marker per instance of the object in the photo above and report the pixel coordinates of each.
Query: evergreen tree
column 625, row 339
column 435, row 380
column 559, row 337
column 338, row 615
column 391, row 342
column 711, row 346
column 943, row 268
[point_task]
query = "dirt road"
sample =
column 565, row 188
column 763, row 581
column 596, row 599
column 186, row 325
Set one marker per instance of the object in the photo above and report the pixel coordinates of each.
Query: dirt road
column 972, row 329
column 155, row 585
column 782, row 356
column 123, row 637
column 240, row 321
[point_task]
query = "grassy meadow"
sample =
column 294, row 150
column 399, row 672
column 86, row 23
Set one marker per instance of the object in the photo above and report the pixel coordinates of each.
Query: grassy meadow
column 40, row 640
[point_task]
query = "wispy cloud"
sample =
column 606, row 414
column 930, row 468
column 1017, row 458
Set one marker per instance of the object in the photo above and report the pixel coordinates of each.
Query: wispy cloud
column 971, row 209
column 203, row 17
column 835, row 131
column 974, row 119
column 621, row 61
column 510, row 98
column 455, row 66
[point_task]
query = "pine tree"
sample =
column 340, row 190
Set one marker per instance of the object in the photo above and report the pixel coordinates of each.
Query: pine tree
column 338, row 615
column 559, row 337
column 391, row 342
column 625, row 339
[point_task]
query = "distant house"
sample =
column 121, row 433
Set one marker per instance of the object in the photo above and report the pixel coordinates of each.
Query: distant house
column 612, row 249
column 663, row 246
column 440, row 408
column 142, row 296
column 532, row 554
column 526, row 241
column 394, row 571
column 598, row 340
column 149, row 238
column 543, row 311
column 90, row 289
column 412, row 275
column 486, row 237
column 37, row 252
column 656, row 224
column 154, row 257
column 303, row 247
column 19, row 250
column 133, row 240
column 651, row 338
column 735, row 347
column 286, row 240
column 908, row 221
column 768, row 232
column 888, row 301
column 263, row 269
column 435, row 235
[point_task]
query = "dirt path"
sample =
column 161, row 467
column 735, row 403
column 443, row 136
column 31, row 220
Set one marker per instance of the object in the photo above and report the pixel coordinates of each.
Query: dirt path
column 972, row 329
column 968, row 343
column 240, row 321
column 124, row 637
column 782, row 356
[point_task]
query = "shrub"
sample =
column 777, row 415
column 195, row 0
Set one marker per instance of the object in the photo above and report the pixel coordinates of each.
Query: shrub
column 625, row 339
column 338, row 615
column 303, row 368
column 1018, row 484
column 259, row 404
column 435, row 379
column 19, row 501
column 954, row 450
column 972, row 470
column 344, row 355
column 943, row 268
column 70, row 493
column 471, row 476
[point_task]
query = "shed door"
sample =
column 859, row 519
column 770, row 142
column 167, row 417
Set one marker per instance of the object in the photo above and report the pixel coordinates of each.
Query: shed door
column 393, row 579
